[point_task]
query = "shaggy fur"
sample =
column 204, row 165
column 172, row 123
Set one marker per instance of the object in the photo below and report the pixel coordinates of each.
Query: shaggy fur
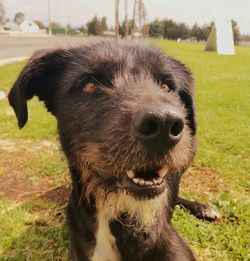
column 106, row 221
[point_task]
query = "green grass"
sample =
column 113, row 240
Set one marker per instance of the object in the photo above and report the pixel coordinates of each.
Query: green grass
column 33, row 231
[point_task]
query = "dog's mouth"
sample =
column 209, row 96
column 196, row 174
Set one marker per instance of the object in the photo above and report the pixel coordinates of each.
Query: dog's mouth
column 146, row 184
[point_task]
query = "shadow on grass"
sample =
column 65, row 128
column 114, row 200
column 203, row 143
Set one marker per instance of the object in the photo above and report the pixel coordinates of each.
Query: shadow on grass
column 39, row 242
column 45, row 236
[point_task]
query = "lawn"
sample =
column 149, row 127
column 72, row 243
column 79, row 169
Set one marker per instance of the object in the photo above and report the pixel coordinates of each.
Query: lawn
column 34, row 178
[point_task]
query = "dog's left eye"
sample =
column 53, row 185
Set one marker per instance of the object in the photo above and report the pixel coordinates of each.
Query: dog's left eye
column 90, row 87
column 165, row 88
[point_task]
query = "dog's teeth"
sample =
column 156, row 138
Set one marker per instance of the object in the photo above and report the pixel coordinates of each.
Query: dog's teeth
column 155, row 181
column 135, row 180
column 131, row 174
column 149, row 183
column 141, row 182
column 162, row 173
column 160, row 180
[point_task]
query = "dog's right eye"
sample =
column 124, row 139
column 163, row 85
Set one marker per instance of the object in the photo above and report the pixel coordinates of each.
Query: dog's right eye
column 90, row 87
column 165, row 88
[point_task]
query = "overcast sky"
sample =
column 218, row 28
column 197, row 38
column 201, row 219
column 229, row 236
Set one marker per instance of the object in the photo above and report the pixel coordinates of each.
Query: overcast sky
column 78, row 12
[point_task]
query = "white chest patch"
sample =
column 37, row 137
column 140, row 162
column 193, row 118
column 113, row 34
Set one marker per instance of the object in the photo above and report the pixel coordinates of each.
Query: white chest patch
column 105, row 249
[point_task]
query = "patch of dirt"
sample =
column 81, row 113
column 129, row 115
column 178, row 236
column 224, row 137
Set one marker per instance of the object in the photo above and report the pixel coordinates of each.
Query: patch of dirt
column 29, row 146
column 15, row 187
column 15, row 184
column 202, row 181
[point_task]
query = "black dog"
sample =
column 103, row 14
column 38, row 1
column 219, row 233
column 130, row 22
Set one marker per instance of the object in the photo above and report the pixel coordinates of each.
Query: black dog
column 126, row 122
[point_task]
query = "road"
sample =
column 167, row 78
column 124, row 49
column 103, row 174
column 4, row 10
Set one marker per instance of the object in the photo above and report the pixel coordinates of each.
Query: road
column 20, row 46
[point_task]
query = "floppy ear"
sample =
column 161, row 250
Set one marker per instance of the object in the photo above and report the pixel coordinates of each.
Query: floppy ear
column 38, row 77
column 185, row 83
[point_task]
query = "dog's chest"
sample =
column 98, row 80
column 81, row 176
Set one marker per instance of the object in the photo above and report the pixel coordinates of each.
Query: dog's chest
column 105, row 249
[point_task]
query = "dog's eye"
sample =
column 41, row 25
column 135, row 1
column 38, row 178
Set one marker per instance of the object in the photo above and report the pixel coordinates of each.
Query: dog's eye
column 165, row 88
column 90, row 87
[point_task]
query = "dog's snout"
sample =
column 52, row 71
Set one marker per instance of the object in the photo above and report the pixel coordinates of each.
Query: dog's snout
column 158, row 125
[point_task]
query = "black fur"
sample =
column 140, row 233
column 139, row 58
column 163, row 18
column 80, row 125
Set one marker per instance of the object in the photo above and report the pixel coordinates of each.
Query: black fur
column 129, row 77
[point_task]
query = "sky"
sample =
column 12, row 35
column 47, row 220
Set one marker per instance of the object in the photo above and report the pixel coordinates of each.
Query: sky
column 79, row 12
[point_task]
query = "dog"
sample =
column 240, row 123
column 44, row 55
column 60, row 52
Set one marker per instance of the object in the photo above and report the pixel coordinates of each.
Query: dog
column 126, row 122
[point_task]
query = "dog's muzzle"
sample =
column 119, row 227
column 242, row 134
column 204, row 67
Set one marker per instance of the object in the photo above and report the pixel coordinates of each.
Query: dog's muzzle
column 158, row 128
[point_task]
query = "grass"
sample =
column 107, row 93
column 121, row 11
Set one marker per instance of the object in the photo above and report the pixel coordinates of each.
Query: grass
column 33, row 230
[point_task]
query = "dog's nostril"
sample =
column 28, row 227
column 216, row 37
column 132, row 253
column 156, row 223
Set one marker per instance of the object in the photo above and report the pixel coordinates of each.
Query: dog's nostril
column 148, row 127
column 177, row 128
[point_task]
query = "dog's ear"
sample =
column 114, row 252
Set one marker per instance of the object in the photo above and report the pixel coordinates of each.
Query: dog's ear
column 39, row 77
column 185, row 86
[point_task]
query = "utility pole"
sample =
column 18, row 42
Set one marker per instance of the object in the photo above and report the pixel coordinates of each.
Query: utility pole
column 140, row 14
column 49, row 18
column 117, row 20
column 144, row 26
column 126, row 19
column 134, row 23
column 139, row 18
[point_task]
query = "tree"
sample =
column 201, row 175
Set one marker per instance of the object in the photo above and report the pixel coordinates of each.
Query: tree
column 40, row 24
column 57, row 28
column 2, row 13
column 19, row 18
column 104, row 26
column 236, row 32
column 156, row 28
column 94, row 26
column 168, row 28
column 201, row 33
column 55, row 25
column 181, row 31
column 122, row 28
column 83, row 30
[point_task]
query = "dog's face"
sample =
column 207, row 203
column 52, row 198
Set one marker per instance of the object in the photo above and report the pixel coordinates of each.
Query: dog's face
column 125, row 113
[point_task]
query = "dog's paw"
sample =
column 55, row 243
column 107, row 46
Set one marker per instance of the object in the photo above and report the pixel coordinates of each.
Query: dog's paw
column 208, row 213
column 199, row 210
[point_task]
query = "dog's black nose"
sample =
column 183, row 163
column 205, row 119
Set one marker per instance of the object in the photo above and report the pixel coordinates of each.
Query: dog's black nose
column 159, row 126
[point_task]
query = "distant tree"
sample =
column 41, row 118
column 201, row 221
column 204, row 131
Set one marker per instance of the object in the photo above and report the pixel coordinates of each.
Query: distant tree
column 19, row 18
column 181, row 31
column 104, row 26
column 122, row 28
column 83, row 30
column 201, row 32
column 2, row 13
column 156, row 28
column 168, row 28
column 56, row 25
column 195, row 31
column 57, row 28
column 40, row 24
column 71, row 30
column 236, row 32
column 206, row 28
column 94, row 26
column 173, row 30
